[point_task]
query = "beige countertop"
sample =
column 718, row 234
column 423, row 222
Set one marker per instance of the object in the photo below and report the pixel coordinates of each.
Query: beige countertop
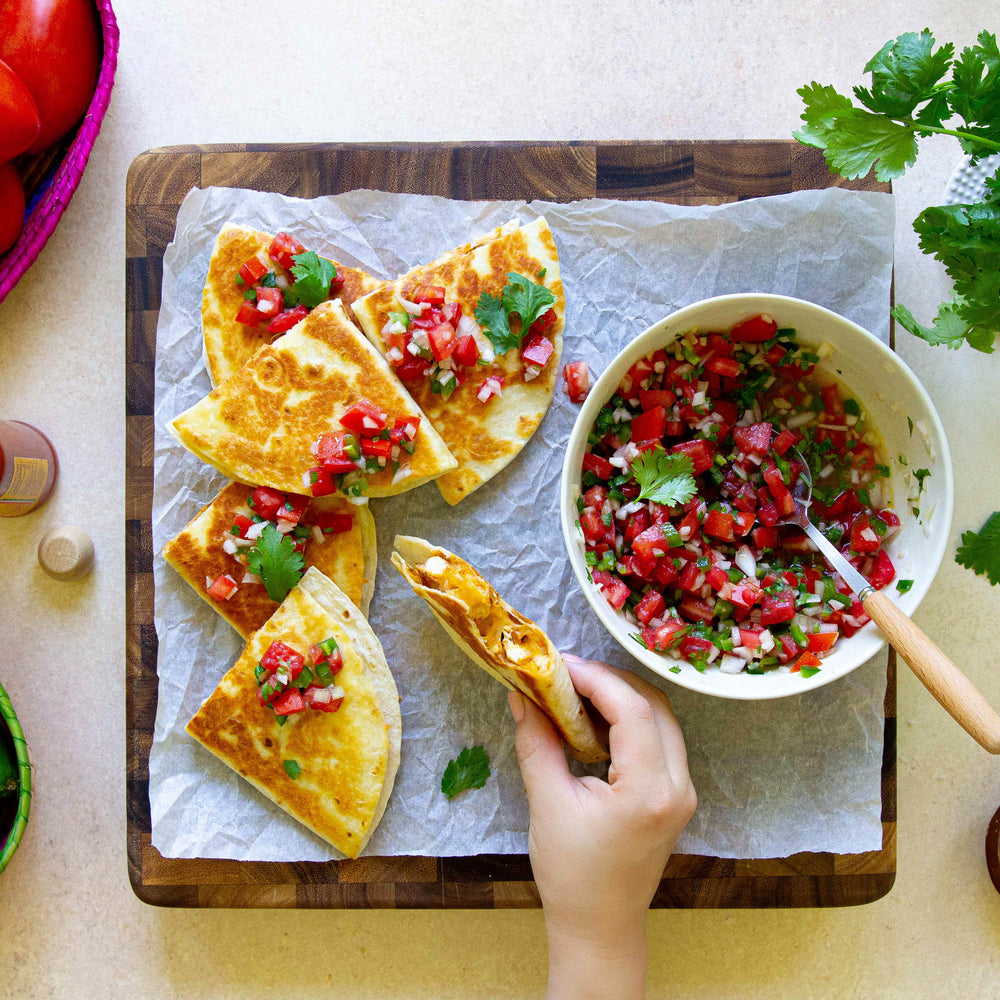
column 443, row 70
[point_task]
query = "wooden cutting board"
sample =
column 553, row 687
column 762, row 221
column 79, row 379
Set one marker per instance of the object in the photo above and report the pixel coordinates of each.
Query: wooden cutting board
column 687, row 173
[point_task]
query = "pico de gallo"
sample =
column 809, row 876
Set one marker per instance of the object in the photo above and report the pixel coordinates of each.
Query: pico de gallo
column 366, row 444
column 430, row 338
column 256, row 541
column 687, row 477
column 283, row 284
column 289, row 682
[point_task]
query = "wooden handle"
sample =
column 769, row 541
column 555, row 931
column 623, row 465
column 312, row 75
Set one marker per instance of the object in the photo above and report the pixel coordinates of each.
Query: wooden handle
column 955, row 692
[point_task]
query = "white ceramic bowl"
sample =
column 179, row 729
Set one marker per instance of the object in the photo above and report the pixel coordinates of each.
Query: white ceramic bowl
column 889, row 392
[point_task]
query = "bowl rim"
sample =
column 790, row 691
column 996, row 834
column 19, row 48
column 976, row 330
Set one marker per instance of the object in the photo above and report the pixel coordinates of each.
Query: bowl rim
column 648, row 340
column 9, row 846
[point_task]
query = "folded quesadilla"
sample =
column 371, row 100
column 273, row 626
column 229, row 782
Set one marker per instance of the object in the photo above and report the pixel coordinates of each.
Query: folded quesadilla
column 476, row 338
column 508, row 646
column 316, row 412
column 238, row 318
column 309, row 714
column 225, row 552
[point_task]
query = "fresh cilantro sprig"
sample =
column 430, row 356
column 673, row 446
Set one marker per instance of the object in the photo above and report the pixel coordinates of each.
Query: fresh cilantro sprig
column 664, row 478
column 276, row 562
column 521, row 297
column 980, row 551
column 469, row 770
column 910, row 98
column 313, row 275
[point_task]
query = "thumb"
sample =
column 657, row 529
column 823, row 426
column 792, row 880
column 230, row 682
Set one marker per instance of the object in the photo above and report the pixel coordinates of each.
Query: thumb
column 539, row 749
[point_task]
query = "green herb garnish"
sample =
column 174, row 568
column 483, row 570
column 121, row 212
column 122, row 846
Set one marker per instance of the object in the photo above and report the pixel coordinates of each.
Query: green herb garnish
column 313, row 275
column 292, row 769
column 521, row 296
column 469, row 770
column 980, row 551
column 276, row 562
column 664, row 478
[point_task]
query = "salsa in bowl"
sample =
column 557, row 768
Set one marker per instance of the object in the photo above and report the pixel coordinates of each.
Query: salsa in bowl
column 679, row 480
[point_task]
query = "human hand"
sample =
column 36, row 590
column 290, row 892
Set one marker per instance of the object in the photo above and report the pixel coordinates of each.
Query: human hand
column 598, row 848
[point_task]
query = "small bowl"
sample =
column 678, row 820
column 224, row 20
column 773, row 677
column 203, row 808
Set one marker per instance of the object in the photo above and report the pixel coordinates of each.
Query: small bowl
column 13, row 815
column 889, row 392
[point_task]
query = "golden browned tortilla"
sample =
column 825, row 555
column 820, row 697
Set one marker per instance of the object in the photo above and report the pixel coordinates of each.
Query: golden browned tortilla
column 230, row 345
column 483, row 437
column 346, row 760
column 508, row 646
column 259, row 425
column 197, row 553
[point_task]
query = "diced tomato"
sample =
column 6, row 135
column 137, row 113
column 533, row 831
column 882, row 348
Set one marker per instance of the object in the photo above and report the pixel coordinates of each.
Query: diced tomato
column 442, row 338
column 832, row 402
column 744, row 522
column 820, row 642
column 248, row 315
column 750, row 637
column 222, row 588
column 776, row 608
column 411, row 368
column 844, row 503
column 888, row 517
column 638, row 566
column 651, row 398
column 451, row 313
column 729, row 367
column 577, row 378
column 787, row 649
column 364, row 419
column 319, row 699
column 775, row 484
column 719, row 524
column 242, row 522
column 434, row 294
column 768, row 516
column 376, row 447
column 466, row 350
column 665, row 573
column 806, row 660
column 652, row 605
column 252, row 270
column 537, row 350
column 330, row 523
column 693, row 645
column 754, row 330
column 661, row 637
column 615, row 591
column 321, row 481
column 716, row 578
column 293, row 508
column 884, row 571
column 689, row 579
column 283, row 248
column 701, row 453
column 649, row 426
column 289, row 702
column 595, row 497
column 287, row 319
column 756, row 438
column 408, row 425
column 266, row 502
column 544, row 322
column 765, row 537
column 696, row 609
column 784, row 441
column 744, row 594
column 863, row 537
column 269, row 301
column 594, row 529
column 280, row 656
column 649, row 543
column 601, row 467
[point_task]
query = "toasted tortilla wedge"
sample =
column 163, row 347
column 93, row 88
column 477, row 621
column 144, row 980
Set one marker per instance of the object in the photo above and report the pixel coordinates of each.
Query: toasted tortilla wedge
column 348, row 558
column 259, row 426
column 483, row 437
column 347, row 759
column 508, row 646
column 230, row 345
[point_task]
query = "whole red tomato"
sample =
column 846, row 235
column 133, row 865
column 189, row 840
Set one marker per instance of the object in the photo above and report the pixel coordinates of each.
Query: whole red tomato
column 19, row 122
column 11, row 206
column 54, row 46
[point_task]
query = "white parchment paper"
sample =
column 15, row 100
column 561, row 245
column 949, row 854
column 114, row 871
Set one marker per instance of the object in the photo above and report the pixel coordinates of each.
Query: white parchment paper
column 773, row 778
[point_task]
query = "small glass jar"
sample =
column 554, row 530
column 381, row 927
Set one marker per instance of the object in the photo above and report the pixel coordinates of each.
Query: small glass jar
column 28, row 467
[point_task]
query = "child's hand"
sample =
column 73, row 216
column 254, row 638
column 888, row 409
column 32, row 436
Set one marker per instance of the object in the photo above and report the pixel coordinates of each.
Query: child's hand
column 598, row 849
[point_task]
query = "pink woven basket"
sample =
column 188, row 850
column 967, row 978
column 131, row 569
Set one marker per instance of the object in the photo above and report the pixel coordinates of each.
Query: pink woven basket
column 49, row 192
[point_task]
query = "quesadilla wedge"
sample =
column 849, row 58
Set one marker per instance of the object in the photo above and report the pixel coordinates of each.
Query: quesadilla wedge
column 219, row 551
column 332, row 763
column 476, row 338
column 246, row 303
column 508, row 646
column 316, row 412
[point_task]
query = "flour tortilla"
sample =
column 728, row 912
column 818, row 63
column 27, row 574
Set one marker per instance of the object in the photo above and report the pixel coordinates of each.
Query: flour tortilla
column 483, row 437
column 349, row 758
column 508, row 646
column 230, row 345
column 348, row 558
column 258, row 427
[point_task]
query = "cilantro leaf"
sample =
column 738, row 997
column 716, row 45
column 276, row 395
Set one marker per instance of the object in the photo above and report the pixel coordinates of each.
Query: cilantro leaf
column 292, row 769
column 521, row 297
column 527, row 298
column 313, row 275
column 905, row 72
column 980, row 551
column 665, row 479
column 492, row 317
column 276, row 562
column 469, row 770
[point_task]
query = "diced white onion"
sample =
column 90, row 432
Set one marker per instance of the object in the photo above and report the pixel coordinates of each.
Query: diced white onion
column 746, row 562
column 413, row 308
column 285, row 527
column 251, row 578
column 369, row 424
column 306, row 480
column 402, row 473
column 229, row 547
column 532, row 372
column 358, row 501
column 766, row 641
column 318, row 537
column 393, row 326
column 698, row 399
column 800, row 419
column 731, row 664
column 256, row 529
column 393, row 354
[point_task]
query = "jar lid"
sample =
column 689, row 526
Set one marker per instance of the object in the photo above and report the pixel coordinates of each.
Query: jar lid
column 66, row 552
